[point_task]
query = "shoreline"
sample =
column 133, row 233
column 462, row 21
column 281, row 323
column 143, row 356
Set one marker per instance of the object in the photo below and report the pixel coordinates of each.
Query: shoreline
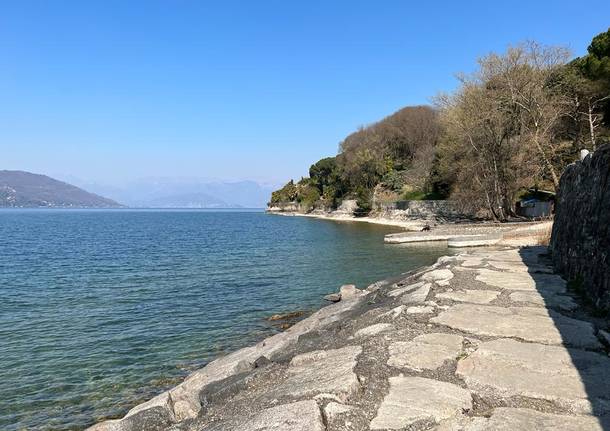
column 179, row 403
column 415, row 225
column 457, row 234
column 329, row 369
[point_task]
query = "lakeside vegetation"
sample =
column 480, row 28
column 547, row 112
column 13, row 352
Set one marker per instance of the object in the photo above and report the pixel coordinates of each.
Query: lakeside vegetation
column 511, row 126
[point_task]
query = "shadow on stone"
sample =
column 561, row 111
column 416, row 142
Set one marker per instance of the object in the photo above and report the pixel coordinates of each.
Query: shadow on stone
column 572, row 377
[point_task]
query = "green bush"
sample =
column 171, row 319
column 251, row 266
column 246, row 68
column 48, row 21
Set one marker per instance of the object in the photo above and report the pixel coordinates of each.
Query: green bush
column 364, row 201
column 394, row 180
column 288, row 193
column 308, row 197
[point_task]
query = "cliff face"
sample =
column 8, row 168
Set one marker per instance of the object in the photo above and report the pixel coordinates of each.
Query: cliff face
column 580, row 241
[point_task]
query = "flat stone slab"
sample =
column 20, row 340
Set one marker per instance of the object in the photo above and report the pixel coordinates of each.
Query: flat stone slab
column 472, row 296
column 521, row 280
column 514, row 255
column 425, row 352
column 373, row 329
column 299, row 416
column 404, row 289
column 405, row 237
column 420, row 309
column 471, row 261
column 438, row 275
column 322, row 371
column 521, row 267
column 548, row 299
column 413, row 399
column 527, row 323
column 574, row 380
column 417, row 296
column 473, row 240
column 394, row 312
column 519, row 419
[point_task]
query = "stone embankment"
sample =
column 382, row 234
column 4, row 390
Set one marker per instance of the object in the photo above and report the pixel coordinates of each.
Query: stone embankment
column 486, row 340
column 477, row 234
column 580, row 243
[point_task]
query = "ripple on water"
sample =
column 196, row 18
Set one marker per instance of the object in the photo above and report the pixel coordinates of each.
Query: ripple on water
column 101, row 310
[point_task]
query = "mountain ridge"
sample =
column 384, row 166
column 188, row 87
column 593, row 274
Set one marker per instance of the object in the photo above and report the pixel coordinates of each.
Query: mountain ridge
column 22, row 189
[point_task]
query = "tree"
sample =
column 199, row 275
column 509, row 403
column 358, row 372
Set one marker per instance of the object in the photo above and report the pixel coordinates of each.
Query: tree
column 587, row 99
column 481, row 148
column 288, row 193
column 522, row 78
column 324, row 173
column 588, row 80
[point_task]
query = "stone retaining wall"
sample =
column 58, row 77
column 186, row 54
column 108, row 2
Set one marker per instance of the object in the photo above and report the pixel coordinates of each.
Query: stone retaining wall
column 420, row 209
column 580, row 241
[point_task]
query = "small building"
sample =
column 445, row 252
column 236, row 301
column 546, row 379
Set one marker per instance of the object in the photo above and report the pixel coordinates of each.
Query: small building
column 536, row 204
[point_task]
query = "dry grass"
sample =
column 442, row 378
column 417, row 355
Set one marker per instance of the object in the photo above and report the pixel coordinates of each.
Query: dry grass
column 529, row 235
column 543, row 237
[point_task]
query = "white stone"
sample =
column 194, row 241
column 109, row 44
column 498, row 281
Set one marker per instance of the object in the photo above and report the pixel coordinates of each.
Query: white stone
column 425, row 352
column 548, row 299
column 572, row 379
column 521, row 280
column 348, row 291
column 373, row 329
column 322, row 371
column 299, row 416
column 471, row 261
column 438, row 275
column 420, row 309
column 333, row 410
column 472, row 296
column 520, row 267
column 417, row 296
column 413, row 399
column 520, row 419
column 477, row 240
column 527, row 323
column 404, row 289
column 395, row 312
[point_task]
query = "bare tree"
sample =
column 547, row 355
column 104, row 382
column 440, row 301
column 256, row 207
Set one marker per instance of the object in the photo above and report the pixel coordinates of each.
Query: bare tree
column 523, row 77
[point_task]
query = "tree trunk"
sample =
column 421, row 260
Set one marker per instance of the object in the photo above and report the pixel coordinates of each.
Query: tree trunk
column 591, row 125
column 547, row 162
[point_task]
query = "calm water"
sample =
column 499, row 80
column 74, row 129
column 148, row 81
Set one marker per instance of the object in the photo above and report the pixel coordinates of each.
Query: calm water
column 102, row 309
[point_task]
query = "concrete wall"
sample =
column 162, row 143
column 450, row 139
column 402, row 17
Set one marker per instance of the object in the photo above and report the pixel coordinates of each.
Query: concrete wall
column 580, row 242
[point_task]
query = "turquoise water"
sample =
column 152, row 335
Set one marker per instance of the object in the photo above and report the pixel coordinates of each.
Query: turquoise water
column 101, row 309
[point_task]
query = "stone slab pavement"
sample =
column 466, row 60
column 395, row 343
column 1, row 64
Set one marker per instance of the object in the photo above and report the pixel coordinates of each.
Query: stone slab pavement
column 486, row 340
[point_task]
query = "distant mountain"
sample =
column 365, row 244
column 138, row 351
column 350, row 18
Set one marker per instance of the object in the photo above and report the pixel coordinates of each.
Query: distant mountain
column 19, row 189
column 189, row 200
column 164, row 192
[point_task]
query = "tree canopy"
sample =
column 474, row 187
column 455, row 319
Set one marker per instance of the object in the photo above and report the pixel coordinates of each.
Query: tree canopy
column 511, row 125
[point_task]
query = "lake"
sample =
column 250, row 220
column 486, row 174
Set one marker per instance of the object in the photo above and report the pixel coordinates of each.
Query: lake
column 102, row 309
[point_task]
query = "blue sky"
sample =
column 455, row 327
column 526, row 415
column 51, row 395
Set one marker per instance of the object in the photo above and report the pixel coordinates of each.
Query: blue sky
column 110, row 91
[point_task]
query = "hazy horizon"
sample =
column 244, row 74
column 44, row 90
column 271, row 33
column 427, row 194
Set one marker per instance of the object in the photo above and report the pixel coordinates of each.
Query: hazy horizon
column 111, row 92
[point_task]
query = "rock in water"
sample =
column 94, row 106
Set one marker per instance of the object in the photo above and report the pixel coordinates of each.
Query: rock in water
column 348, row 291
column 333, row 297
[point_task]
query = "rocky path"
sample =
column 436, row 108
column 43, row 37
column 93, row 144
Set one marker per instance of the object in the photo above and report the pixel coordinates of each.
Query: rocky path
column 488, row 340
